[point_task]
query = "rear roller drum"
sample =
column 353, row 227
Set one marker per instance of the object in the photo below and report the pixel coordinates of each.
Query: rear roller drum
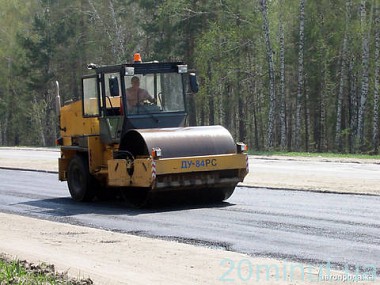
column 80, row 180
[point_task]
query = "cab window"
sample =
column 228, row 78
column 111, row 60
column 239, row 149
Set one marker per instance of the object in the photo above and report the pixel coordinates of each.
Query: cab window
column 90, row 97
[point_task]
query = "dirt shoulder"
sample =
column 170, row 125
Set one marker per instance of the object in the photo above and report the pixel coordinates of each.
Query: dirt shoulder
column 333, row 175
column 114, row 258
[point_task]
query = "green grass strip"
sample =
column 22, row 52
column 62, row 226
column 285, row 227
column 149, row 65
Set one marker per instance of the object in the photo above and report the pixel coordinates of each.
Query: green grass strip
column 314, row 154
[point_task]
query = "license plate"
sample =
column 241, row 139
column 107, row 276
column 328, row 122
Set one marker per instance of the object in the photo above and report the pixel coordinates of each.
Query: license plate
column 198, row 163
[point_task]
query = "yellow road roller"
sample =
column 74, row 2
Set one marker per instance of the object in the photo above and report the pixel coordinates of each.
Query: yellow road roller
column 128, row 132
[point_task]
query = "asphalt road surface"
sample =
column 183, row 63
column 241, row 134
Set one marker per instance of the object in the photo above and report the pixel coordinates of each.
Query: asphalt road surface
column 294, row 225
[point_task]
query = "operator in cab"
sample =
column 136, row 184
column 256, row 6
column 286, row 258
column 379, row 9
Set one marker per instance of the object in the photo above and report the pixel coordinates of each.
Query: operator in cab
column 137, row 95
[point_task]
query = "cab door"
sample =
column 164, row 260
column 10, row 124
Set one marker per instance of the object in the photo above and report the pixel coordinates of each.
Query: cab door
column 111, row 120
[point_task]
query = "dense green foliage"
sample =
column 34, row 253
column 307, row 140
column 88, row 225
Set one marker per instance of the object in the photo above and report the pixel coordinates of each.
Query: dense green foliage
column 289, row 75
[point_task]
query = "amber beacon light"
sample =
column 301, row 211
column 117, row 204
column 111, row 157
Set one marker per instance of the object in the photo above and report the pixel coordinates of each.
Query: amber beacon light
column 137, row 58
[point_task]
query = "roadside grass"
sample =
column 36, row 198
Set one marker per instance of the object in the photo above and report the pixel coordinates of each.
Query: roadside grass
column 23, row 272
column 315, row 154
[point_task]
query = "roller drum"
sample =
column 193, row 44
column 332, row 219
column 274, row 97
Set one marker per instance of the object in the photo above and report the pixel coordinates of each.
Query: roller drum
column 179, row 142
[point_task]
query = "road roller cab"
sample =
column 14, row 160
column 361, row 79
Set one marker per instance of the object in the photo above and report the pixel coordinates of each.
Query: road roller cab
column 128, row 132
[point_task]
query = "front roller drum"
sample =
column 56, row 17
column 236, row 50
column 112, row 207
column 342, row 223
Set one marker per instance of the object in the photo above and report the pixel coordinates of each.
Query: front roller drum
column 179, row 142
column 187, row 143
column 196, row 196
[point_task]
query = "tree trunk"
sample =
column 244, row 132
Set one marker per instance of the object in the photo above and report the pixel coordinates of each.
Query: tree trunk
column 365, row 75
column 283, row 142
column 8, row 98
column 119, row 33
column 323, row 139
column 202, row 111
column 241, row 118
column 106, row 29
column 241, row 115
column 353, row 106
column 210, row 95
column 375, row 126
column 192, row 117
column 272, row 93
column 300, row 76
column 4, row 129
column 37, row 113
column 252, row 89
column 227, row 106
column 338, row 126
column 307, row 118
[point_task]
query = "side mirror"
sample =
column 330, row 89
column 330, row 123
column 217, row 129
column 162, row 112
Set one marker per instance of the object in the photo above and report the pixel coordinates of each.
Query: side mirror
column 194, row 87
column 114, row 86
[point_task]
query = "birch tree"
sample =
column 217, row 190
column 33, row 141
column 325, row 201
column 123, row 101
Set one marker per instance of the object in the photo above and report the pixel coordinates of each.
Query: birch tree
column 272, row 92
column 116, row 26
column 353, row 104
column 283, row 140
column 365, row 73
column 322, row 139
column 300, row 88
column 338, row 126
column 375, row 123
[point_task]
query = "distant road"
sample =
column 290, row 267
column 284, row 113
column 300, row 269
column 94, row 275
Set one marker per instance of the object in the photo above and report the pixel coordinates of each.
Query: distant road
column 315, row 174
column 29, row 158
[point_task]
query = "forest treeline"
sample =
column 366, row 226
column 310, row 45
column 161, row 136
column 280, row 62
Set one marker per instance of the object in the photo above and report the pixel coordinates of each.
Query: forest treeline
column 294, row 75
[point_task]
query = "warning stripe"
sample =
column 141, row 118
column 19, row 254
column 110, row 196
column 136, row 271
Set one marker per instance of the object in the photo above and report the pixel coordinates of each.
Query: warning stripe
column 154, row 173
column 246, row 164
